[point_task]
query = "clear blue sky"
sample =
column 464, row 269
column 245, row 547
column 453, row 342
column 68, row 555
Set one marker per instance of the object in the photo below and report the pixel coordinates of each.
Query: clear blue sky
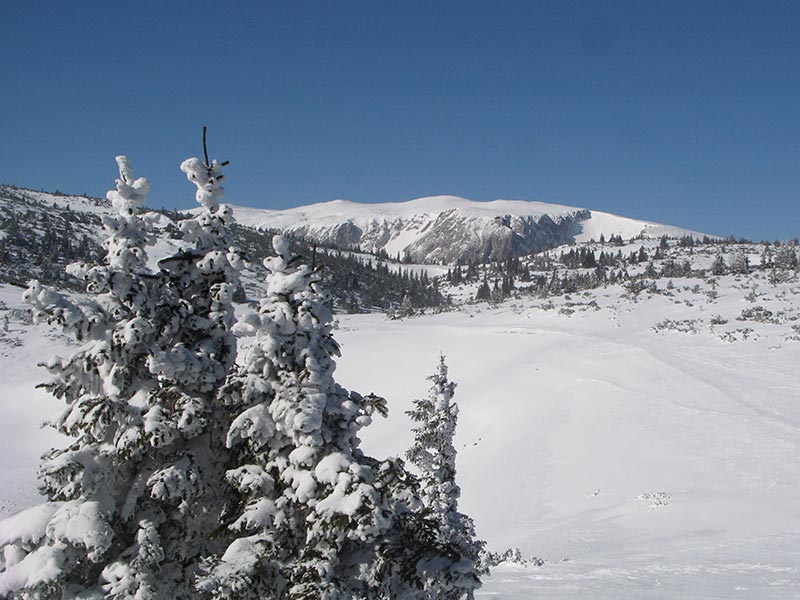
column 686, row 113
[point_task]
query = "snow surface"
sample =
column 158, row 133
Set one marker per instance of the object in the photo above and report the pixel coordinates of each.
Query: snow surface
column 661, row 464
column 86, row 204
column 337, row 211
column 637, row 461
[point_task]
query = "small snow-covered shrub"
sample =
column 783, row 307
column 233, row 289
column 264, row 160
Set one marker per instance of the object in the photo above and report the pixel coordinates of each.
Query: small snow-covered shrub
column 737, row 335
column 513, row 556
column 759, row 314
column 682, row 326
column 656, row 499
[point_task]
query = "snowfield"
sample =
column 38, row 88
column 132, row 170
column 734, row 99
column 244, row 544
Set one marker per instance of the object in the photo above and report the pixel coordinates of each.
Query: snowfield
column 637, row 463
column 643, row 446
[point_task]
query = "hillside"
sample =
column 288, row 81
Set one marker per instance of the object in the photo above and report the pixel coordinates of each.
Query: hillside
column 42, row 232
column 650, row 440
column 639, row 436
column 446, row 229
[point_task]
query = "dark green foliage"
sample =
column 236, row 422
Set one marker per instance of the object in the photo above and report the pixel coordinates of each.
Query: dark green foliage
column 41, row 238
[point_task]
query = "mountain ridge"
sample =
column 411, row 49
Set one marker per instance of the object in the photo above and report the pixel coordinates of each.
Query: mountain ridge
column 448, row 229
column 441, row 229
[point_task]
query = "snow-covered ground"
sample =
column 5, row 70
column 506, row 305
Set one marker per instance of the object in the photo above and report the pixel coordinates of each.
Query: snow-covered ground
column 640, row 445
column 657, row 464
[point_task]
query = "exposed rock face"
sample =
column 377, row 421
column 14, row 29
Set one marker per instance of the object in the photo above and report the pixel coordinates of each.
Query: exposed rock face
column 455, row 236
column 452, row 235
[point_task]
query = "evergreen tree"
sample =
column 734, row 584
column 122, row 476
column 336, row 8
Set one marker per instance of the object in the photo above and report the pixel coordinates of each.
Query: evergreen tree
column 786, row 258
column 133, row 500
column 740, row 264
column 434, row 454
column 405, row 309
column 484, row 292
column 718, row 267
column 313, row 516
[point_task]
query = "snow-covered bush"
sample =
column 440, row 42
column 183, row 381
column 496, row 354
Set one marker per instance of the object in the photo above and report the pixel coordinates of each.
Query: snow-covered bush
column 681, row 325
column 759, row 314
column 313, row 516
column 134, row 499
column 512, row 556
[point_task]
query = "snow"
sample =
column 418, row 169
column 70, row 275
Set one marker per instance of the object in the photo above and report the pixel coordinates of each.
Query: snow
column 77, row 203
column 608, row 224
column 29, row 525
column 638, row 462
column 83, row 524
column 337, row 211
column 41, row 565
column 328, row 469
column 636, row 455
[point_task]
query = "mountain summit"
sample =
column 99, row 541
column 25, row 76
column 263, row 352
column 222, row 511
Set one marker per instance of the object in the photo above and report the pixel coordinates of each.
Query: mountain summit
column 445, row 229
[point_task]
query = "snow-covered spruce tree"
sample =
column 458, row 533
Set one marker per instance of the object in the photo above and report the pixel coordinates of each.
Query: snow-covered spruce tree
column 133, row 500
column 740, row 264
column 718, row 267
column 315, row 516
column 786, row 258
column 434, row 454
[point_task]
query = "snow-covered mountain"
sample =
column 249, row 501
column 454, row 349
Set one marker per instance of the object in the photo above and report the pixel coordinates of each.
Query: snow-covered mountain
column 443, row 229
column 434, row 230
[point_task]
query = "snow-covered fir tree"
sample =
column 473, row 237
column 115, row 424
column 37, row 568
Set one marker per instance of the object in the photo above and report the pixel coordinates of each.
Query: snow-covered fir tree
column 434, row 454
column 718, row 267
column 740, row 264
column 133, row 500
column 786, row 258
column 315, row 517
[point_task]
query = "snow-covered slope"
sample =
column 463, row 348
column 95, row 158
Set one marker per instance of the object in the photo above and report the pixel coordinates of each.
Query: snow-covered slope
column 43, row 232
column 446, row 228
column 650, row 438
column 630, row 437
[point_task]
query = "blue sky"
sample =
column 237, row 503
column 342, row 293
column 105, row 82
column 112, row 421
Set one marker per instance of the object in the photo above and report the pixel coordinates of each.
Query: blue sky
column 685, row 113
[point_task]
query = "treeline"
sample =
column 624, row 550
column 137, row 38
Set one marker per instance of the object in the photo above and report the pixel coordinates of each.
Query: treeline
column 583, row 268
column 357, row 283
column 39, row 240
